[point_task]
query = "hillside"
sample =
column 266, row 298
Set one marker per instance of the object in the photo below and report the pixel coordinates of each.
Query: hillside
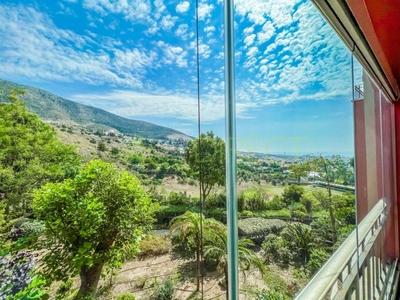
column 52, row 108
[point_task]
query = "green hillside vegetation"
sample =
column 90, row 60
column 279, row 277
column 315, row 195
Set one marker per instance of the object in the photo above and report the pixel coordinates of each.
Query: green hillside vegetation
column 50, row 107
column 88, row 202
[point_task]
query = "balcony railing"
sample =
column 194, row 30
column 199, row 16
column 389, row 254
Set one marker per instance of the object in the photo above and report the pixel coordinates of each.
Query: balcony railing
column 358, row 269
column 359, row 91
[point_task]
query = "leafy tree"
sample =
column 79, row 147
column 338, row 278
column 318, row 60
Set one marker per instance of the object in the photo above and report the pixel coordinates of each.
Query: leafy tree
column 30, row 155
column 327, row 167
column 216, row 247
column 206, row 158
column 97, row 218
column 299, row 170
column 102, row 146
column 191, row 225
column 135, row 159
column 114, row 151
column 310, row 201
column 292, row 193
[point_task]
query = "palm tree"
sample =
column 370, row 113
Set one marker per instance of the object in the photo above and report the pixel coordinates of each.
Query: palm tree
column 216, row 247
column 300, row 239
column 194, row 225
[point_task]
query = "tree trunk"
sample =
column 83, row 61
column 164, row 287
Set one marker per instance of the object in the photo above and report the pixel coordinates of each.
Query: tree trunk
column 198, row 267
column 89, row 280
column 90, row 275
column 330, row 208
column 226, row 281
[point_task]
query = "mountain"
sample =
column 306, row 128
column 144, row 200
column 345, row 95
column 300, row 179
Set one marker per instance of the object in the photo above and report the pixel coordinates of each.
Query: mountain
column 52, row 108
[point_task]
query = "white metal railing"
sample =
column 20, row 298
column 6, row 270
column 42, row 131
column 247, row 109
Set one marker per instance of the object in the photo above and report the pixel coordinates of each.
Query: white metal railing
column 358, row 269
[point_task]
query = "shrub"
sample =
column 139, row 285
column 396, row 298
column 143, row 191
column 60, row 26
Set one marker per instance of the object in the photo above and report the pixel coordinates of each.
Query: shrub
column 241, row 201
column 26, row 228
column 156, row 194
column 270, row 295
column 256, row 199
column 126, row 296
column 166, row 213
column 101, row 146
column 275, row 204
column 218, row 214
column 318, row 258
column 216, row 200
column 275, row 249
column 154, row 245
column 64, row 287
column 257, row 228
column 165, row 290
column 114, row 151
column 33, row 227
column 292, row 193
column 246, row 213
column 179, row 198
column 15, row 273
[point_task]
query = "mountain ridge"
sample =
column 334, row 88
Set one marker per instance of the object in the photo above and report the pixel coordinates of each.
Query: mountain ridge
column 52, row 108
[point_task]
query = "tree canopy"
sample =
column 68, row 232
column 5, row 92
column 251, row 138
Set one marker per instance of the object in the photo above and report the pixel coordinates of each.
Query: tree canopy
column 30, row 155
column 95, row 218
column 206, row 158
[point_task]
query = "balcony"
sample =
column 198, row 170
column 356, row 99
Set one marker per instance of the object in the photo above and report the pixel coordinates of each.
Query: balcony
column 358, row 269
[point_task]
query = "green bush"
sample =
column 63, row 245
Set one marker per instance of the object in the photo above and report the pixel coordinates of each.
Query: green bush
column 216, row 200
column 126, row 296
column 165, row 290
column 241, row 201
column 275, row 249
column 16, row 223
column 257, row 228
column 218, row 214
column 283, row 213
column 256, row 199
column 180, row 198
column 166, row 213
column 318, row 258
column 246, row 213
column 64, row 287
column 154, row 245
column 270, row 295
column 34, row 227
column 275, row 204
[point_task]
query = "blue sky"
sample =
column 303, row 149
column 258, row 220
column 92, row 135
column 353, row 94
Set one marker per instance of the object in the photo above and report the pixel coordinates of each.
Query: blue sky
column 137, row 58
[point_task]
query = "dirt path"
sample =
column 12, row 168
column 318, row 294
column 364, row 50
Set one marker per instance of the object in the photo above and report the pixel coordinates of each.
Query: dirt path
column 142, row 277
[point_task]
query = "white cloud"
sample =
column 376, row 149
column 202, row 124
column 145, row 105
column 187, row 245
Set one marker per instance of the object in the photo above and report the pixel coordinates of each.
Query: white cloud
column 252, row 51
column 180, row 106
column 159, row 9
column 205, row 10
column 249, row 39
column 204, row 50
column 173, row 54
column 256, row 18
column 209, row 30
column 248, row 30
column 183, row 32
column 168, row 21
column 183, row 7
column 268, row 30
column 133, row 10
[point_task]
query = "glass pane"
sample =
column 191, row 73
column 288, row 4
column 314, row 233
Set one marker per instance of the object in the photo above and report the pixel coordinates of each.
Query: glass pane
column 296, row 140
column 118, row 81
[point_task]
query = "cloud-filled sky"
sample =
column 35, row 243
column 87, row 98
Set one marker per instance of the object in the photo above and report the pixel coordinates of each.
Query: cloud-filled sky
column 137, row 59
